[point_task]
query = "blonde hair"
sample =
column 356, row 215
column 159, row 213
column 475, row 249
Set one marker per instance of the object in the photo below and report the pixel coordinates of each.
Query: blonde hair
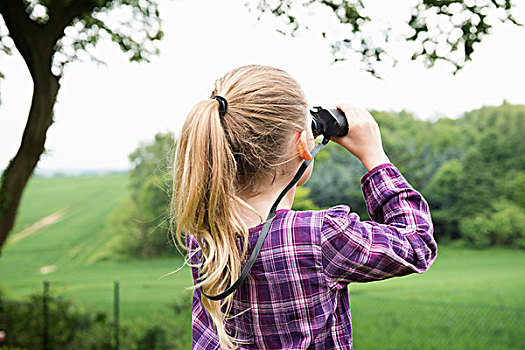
column 220, row 158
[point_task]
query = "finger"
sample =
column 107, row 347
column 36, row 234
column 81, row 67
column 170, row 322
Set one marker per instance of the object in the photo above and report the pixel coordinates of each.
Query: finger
column 347, row 109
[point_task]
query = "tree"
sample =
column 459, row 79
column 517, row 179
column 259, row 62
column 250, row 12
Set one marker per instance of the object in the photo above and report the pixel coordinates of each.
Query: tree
column 302, row 200
column 141, row 222
column 49, row 34
column 442, row 193
column 504, row 225
column 465, row 168
column 441, row 29
column 470, row 170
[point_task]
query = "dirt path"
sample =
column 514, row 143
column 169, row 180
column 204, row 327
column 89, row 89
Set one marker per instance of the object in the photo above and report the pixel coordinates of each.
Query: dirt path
column 48, row 220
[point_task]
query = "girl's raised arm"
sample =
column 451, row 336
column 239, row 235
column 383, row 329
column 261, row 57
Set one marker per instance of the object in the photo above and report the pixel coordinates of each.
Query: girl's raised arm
column 400, row 239
column 399, row 242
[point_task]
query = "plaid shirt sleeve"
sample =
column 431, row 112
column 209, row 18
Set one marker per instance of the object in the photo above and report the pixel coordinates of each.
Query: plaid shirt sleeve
column 398, row 242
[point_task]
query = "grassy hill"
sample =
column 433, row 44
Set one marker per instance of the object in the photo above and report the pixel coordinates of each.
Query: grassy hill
column 469, row 299
column 64, row 251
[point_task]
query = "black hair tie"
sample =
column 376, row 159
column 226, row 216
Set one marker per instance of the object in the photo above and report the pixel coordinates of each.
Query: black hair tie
column 223, row 104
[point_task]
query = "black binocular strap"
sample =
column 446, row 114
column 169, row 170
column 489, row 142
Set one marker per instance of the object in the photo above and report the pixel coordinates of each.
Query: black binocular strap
column 264, row 231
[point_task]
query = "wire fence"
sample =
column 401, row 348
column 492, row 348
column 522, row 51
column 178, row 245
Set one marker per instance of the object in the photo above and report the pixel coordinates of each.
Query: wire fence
column 389, row 323
column 378, row 322
column 10, row 326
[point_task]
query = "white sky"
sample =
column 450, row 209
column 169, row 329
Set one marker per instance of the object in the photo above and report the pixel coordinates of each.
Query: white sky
column 103, row 112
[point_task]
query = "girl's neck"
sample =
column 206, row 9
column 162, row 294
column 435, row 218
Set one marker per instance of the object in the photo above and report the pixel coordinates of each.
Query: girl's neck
column 262, row 203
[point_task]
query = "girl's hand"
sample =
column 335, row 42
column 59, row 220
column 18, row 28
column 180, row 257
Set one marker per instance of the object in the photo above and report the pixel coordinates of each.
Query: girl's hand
column 363, row 139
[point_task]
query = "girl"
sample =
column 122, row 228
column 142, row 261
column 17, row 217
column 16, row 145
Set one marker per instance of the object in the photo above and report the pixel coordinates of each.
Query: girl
column 237, row 151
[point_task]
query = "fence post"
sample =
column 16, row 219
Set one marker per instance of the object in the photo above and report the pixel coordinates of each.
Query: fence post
column 4, row 309
column 45, row 338
column 10, row 325
column 116, row 313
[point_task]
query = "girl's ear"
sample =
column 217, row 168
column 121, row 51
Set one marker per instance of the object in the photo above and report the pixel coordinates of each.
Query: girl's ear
column 302, row 147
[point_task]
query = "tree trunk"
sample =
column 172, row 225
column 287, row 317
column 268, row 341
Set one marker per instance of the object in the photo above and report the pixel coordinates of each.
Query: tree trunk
column 36, row 43
column 20, row 168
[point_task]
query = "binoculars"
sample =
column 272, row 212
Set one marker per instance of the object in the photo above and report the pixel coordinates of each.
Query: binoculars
column 328, row 122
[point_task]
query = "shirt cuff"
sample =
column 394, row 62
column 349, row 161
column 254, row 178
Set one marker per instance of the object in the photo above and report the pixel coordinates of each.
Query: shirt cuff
column 380, row 184
column 374, row 170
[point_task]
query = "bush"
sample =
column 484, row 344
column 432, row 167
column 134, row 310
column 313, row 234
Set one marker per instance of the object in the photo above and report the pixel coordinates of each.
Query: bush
column 509, row 226
column 476, row 231
column 505, row 227
column 302, row 200
column 515, row 189
column 70, row 326
column 74, row 327
column 141, row 222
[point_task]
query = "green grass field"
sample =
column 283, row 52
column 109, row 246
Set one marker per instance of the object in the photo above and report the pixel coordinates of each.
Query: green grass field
column 70, row 246
column 469, row 299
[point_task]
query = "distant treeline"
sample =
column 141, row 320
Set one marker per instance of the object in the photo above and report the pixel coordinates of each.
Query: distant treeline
column 471, row 170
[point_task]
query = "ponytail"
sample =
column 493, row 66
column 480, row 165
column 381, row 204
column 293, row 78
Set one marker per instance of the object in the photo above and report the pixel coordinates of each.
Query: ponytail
column 220, row 157
column 203, row 185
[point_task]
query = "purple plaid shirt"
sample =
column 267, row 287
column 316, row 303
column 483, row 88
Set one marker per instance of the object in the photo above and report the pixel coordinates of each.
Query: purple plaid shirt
column 296, row 294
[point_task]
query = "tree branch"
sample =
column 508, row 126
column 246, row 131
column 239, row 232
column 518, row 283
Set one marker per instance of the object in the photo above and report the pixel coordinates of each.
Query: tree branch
column 60, row 17
column 21, row 28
